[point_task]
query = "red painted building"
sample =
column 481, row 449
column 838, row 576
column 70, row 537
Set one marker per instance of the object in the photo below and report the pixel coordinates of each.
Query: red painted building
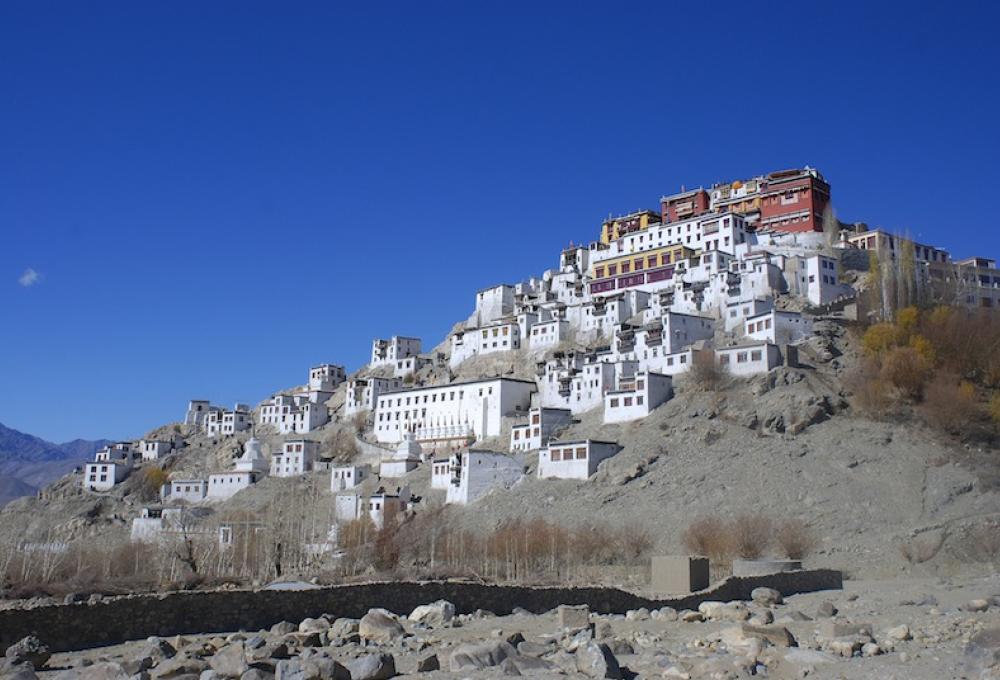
column 793, row 200
column 684, row 205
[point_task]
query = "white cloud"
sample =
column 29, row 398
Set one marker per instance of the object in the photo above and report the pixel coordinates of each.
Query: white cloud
column 29, row 278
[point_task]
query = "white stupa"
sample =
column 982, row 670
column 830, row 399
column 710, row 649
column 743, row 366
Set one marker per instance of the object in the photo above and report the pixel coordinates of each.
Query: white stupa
column 252, row 459
column 405, row 458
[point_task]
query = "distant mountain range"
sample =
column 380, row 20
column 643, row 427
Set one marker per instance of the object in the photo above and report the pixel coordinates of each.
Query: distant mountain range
column 28, row 463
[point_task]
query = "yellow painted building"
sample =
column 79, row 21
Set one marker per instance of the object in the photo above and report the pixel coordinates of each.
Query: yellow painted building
column 614, row 228
column 638, row 262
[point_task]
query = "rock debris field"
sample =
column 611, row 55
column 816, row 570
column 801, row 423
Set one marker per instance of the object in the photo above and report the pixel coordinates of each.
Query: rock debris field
column 918, row 628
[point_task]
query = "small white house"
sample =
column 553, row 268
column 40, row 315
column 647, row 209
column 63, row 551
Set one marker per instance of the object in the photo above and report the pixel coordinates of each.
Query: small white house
column 499, row 337
column 440, row 473
column 535, row 433
column 574, row 459
column 749, row 359
column 737, row 312
column 778, row 327
column 409, row 365
column 104, row 475
column 476, row 473
column 636, row 396
column 348, row 476
column 296, row 458
column 154, row 449
column 380, row 506
column 223, row 485
column 347, row 507
column 547, row 334
column 191, row 490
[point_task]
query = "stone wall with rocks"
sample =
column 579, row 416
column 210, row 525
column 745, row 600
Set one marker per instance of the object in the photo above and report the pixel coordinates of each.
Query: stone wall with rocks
column 70, row 627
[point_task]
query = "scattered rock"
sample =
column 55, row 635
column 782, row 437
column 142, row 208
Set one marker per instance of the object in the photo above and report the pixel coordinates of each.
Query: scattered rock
column 766, row 596
column 230, row 661
column 779, row 636
column 641, row 614
column 28, row 650
column 179, row 666
column 901, row 632
column 595, row 660
column 528, row 648
column 283, row 628
column 688, row 616
column 105, row 670
column 379, row 625
column 573, row 616
column 870, row 649
column 977, row 605
column 982, row 653
column 826, row 610
column 472, row 657
column 435, row 614
column 428, row 663
column 314, row 626
column 313, row 668
column 373, row 667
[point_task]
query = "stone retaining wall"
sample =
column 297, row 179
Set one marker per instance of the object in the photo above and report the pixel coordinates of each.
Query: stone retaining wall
column 114, row 620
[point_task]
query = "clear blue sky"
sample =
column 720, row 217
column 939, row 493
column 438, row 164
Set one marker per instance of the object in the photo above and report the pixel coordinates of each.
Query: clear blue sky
column 214, row 196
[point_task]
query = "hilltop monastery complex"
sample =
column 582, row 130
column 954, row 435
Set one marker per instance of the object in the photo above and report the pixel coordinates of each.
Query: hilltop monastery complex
column 733, row 275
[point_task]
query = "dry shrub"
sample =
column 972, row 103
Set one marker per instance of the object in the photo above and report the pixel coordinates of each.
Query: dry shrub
column 921, row 549
column 360, row 421
column 795, row 539
column 949, row 404
column 906, row 370
column 705, row 372
column 709, row 536
column 751, row 535
column 869, row 392
column 153, row 478
column 879, row 338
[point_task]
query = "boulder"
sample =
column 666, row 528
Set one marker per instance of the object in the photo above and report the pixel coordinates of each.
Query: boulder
column 528, row 648
column 379, row 625
column 230, row 661
column 977, row 605
column 428, row 663
column 529, row 665
column 595, row 660
column 724, row 611
column 179, row 666
column 343, row 627
column 473, row 657
column 779, row 636
column 22, row 672
column 766, row 596
column 826, row 610
column 314, row 626
column 283, row 628
column 640, row 614
column 434, row 614
column 312, row 668
column 28, row 650
column 104, row 670
column 373, row 667
column 573, row 616
column 901, row 633
column 664, row 614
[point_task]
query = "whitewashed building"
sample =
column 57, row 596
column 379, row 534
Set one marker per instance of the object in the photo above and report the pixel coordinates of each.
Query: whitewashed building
column 347, row 507
column 748, row 359
column 493, row 304
column 440, row 473
column 104, row 475
column 476, row 473
column 447, row 415
column 778, row 327
column 296, row 458
column 293, row 413
column 362, row 393
column 636, row 396
column 223, row 485
column 388, row 352
column 737, row 312
column 344, row 477
column 252, row 459
column 226, row 423
column 197, row 411
column 381, row 506
column 816, row 279
column 499, row 337
column 326, row 377
column 190, row 490
column 154, row 449
column 409, row 366
column 542, row 423
column 547, row 334
column 574, row 459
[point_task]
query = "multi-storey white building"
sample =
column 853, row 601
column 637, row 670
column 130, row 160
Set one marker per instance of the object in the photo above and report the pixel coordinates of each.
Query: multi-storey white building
column 449, row 415
column 388, row 352
column 546, row 334
column 226, row 423
column 542, row 423
column 499, row 337
column 326, row 377
column 296, row 458
column 493, row 304
column 738, row 312
column 362, row 393
column 293, row 413
column 574, row 459
column 190, row 490
column 103, row 476
column 197, row 411
column 636, row 396
column 476, row 473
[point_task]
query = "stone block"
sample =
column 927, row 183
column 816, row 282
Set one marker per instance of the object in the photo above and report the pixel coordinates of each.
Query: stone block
column 574, row 616
column 764, row 567
column 678, row 574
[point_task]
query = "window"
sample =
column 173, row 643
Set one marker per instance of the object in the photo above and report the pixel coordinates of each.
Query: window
column 581, row 453
column 755, row 355
column 614, row 403
column 556, row 455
